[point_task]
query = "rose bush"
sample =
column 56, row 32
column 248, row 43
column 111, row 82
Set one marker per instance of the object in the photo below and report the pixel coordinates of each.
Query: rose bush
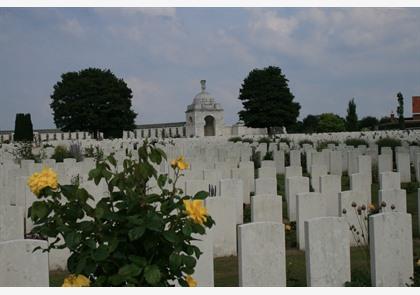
column 130, row 237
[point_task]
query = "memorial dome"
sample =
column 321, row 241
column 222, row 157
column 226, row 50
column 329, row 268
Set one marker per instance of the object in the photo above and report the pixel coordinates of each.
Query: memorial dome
column 203, row 97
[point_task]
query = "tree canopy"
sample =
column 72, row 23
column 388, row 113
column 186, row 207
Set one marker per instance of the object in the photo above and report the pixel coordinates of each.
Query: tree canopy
column 351, row 118
column 93, row 100
column 400, row 110
column 369, row 123
column 329, row 122
column 267, row 100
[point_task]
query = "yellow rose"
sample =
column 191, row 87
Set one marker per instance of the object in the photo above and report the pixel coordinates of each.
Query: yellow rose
column 191, row 282
column 76, row 281
column 418, row 262
column 196, row 211
column 179, row 163
column 40, row 180
column 371, row 206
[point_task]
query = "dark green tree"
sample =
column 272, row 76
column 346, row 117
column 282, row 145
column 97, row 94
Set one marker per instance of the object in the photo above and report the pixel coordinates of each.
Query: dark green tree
column 310, row 124
column 267, row 100
column 23, row 128
column 351, row 118
column 368, row 122
column 329, row 122
column 93, row 100
column 400, row 110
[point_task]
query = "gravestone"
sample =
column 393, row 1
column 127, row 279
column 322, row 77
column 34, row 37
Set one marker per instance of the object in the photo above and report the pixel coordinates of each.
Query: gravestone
column 335, row 161
column 403, row 166
column 316, row 173
column 308, row 205
column 268, row 171
column 347, row 211
column 294, row 186
column 204, row 269
column 389, row 180
column 21, row 267
column 266, row 208
column 266, row 186
column 393, row 198
column 330, row 187
column 384, row 163
column 224, row 231
column 391, row 249
column 233, row 188
column 261, row 255
column 295, row 158
column 327, row 252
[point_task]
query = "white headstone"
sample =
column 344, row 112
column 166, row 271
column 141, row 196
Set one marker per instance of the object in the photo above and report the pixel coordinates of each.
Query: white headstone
column 261, row 255
column 327, row 252
column 391, row 249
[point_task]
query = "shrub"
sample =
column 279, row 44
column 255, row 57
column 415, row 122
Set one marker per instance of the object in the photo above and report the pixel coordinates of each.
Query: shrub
column 235, row 139
column 61, row 153
column 268, row 156
column 23, row 151
column 388, row 142
column 248, row 140
column 76, row 151
column 94, row 152
column 356, row 142
column 307, row 141
column 285, row 140
column 264, row 140
column 130, row 237
column 324, row 144
column 256, row 158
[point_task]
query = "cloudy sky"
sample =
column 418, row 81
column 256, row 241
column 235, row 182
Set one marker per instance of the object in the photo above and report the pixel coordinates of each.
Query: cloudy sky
column 329, row 56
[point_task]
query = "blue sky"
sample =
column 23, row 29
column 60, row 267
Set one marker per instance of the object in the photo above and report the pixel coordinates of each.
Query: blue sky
column 329, row 56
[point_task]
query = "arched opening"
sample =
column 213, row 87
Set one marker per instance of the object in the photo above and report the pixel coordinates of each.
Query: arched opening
column 209, row 128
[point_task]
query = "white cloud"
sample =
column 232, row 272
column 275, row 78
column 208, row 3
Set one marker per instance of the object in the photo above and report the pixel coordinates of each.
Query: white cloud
column 73, row 27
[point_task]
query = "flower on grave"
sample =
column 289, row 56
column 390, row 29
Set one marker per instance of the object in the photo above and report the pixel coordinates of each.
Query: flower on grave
column 196, row 211
column 418, row 262
column 179, row 163
column 392, row 207
column 191, row 282
column 288, row 227
column 76, row 281
column 371, row 206
column 40, row 180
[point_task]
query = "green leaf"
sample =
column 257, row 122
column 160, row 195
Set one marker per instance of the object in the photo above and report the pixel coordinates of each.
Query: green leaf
column 187, row 229
column 201, row 195
column 152, row 274
column 189, row 261
column 129, row 270
column 155, row 156
column 175, row 260
column 170, row 236
column 90, row 243
column 39, row 210
column 161, row 181
column 140, row 261
column 136, row 233
column 72, row 239
column 101, row 253
column 112, row 160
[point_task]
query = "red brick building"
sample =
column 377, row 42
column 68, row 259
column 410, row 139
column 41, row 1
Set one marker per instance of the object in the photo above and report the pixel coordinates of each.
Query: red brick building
column 416, row 107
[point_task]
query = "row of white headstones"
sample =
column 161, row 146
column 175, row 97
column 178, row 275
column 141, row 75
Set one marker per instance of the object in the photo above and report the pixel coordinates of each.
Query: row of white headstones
column 322, row 229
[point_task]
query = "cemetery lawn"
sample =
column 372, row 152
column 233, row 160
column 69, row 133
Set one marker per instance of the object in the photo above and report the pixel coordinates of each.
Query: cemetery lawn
column 226, row 268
